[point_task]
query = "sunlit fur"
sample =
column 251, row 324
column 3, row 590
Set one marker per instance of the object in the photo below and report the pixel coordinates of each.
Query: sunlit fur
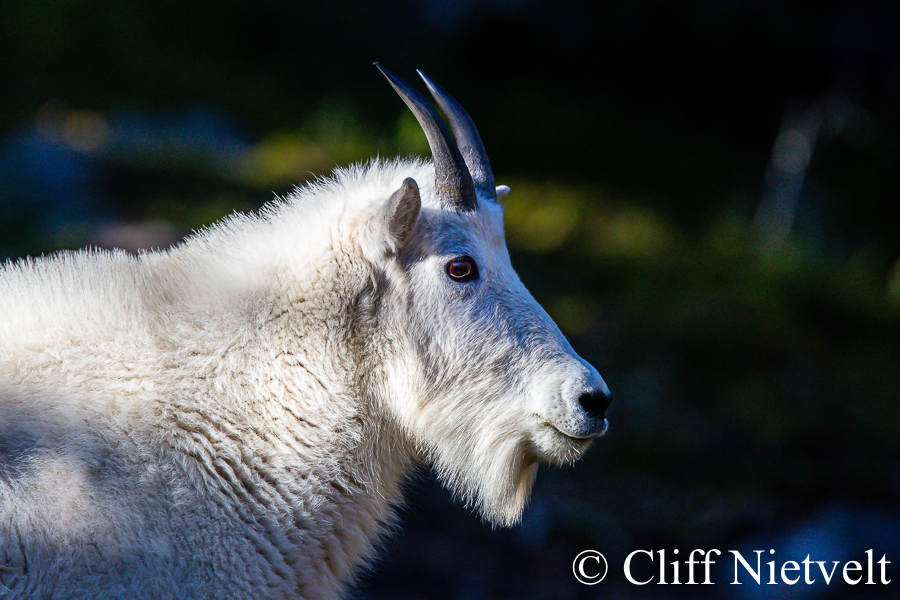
column 235, row 417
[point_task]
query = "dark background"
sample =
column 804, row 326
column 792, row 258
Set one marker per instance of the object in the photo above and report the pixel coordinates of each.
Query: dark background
column 704, row 196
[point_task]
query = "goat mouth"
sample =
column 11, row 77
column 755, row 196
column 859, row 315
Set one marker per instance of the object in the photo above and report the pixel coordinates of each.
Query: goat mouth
column 582, row 441
column 561, row 448
column 591, row 434
column 600, row 431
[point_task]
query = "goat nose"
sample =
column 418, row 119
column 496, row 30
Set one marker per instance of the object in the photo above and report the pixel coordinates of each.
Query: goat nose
column 595, row 403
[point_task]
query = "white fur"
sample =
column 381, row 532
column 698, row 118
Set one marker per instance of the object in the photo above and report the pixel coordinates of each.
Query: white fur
column 234, row 418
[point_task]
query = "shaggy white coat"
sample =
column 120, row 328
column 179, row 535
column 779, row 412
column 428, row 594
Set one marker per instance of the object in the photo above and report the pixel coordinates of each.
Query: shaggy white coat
column 234, row 417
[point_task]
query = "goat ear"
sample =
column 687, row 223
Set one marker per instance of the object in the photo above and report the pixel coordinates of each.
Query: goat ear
column 502, row 192
column 401, row 212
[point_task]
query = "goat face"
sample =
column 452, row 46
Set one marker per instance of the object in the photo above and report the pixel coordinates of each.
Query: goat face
column 478, row 375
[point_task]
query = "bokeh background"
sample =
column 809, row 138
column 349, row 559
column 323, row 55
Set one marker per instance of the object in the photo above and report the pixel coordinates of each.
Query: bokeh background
column 704, row 196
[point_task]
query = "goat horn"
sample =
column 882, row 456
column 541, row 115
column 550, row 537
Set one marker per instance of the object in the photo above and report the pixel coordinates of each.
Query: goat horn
column 470, row 145
column 452, row 179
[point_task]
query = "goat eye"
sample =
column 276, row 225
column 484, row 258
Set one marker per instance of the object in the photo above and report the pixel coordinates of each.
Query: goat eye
column 462, row 269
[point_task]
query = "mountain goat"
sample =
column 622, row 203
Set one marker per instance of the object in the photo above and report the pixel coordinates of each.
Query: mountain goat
column 235, row 417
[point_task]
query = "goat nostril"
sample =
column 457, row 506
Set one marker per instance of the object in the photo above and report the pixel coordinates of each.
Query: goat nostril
column 595, row 403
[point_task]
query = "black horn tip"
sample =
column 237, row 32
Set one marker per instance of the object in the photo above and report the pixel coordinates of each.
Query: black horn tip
column 426, row 79
column 387, row 73
column 384, row 71
column 467, row 136
column 434, row 88
column 393, row 79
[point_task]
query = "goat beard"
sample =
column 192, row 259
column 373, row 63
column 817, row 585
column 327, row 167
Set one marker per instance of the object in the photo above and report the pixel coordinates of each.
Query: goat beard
column 495, row 477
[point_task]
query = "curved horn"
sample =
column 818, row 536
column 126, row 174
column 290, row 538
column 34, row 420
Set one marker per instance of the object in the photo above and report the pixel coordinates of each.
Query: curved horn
column 452, row 178
column 467, row 137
